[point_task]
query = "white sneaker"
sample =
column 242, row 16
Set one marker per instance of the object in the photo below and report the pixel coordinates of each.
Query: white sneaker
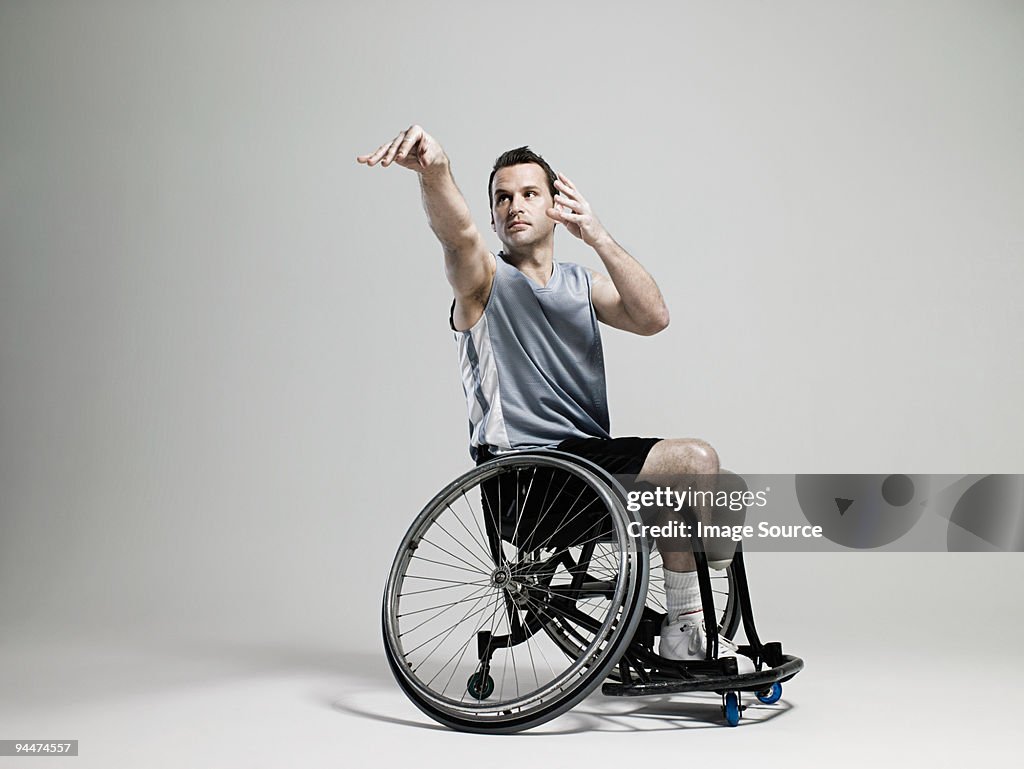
column 685, row 640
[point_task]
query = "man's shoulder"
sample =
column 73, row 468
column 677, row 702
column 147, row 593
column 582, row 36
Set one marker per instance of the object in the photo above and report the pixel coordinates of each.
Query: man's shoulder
column 575, row 274
column 571, row 266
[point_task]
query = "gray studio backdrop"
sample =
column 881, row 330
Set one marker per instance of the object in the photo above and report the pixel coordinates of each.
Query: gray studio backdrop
column 226, row 378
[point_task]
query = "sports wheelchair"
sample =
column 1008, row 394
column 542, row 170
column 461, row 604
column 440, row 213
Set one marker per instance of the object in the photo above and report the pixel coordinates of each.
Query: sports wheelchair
column 520, row 588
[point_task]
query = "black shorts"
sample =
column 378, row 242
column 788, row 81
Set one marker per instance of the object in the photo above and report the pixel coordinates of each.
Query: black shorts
column 618, row 456
column 577, row 515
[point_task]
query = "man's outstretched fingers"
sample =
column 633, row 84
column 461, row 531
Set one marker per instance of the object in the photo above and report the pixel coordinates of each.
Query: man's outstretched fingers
column 373, row 156
column 412, row 136
column 392, row 149
column 381, row 153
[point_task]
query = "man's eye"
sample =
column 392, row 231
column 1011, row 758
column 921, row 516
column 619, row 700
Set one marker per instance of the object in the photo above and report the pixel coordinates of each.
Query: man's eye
column 529, row 194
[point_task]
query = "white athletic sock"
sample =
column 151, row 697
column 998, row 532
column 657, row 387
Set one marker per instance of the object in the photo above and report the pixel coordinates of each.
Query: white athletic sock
column 682, row 593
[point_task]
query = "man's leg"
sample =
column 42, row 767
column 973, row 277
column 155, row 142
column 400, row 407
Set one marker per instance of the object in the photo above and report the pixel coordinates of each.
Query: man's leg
column 679, row 463
column 683, row 464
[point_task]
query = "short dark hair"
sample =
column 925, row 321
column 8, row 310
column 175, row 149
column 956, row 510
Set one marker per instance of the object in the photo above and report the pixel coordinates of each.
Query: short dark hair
column 516, row 157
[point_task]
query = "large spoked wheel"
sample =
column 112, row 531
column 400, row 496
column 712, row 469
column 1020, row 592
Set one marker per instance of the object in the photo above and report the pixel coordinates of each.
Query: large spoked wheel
column 496, row 571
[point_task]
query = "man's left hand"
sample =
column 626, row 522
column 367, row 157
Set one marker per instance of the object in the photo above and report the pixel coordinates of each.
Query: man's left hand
column 573, row 211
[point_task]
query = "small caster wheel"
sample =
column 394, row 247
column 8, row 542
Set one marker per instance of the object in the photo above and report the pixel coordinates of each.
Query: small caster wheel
column 732, row 708
column 480, row 686
column 772, row 695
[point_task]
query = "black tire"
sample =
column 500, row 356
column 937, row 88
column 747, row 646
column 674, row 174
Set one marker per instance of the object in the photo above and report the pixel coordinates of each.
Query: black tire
column 519, row 559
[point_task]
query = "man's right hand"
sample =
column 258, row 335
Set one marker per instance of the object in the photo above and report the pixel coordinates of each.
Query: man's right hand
column 413, row 148
column 468, row 264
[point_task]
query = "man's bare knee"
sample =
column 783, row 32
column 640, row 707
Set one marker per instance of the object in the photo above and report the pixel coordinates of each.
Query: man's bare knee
column 672, row 459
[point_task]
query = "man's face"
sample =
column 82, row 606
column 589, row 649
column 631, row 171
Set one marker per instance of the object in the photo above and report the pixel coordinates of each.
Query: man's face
column 520, row 198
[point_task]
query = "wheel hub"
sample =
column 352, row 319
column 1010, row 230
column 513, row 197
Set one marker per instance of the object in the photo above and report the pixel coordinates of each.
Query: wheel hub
column 502, row 577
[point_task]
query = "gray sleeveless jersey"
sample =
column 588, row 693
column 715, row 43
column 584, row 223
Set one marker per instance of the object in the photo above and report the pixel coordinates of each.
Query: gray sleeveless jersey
column 532, row 366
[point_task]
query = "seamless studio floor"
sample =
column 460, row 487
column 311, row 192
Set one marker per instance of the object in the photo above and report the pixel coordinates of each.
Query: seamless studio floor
column 224, row 704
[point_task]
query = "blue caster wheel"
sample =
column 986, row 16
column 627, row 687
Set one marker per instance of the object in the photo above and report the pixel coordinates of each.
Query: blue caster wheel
column 480, row 687
column 771, row 696
column 732, row 708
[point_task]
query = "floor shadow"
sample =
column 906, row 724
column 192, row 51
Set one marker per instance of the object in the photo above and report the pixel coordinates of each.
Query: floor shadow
column 346, row 681
column 599, row 713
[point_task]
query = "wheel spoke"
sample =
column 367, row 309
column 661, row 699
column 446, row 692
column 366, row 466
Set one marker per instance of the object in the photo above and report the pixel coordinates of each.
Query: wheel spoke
column 545, row 510
column 451, row 566
column 482, row 563
column 478, row 542
column 449, row 630
column 464, row 649
column 483, row 613
column 566, row 520
column 438, row 606
column 435, row 616
column 445, row 587
column 473, row 517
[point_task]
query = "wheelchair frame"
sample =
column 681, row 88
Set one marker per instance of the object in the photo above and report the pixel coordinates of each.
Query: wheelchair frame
column 544, row 590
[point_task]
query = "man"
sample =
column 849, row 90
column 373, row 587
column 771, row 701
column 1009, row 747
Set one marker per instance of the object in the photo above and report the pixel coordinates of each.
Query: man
column 529, row 343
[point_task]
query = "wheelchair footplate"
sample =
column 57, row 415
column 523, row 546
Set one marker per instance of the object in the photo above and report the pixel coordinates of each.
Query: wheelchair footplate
column 637, row 679
column 642, row 673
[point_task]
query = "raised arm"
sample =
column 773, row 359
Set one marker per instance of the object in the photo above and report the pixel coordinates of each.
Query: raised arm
column 628, row 298
column 469, row 266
